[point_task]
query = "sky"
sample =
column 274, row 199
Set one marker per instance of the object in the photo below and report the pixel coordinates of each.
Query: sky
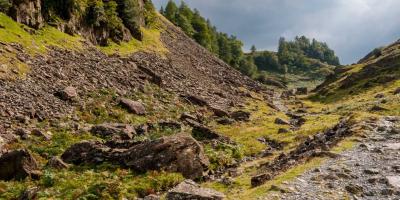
column 352, row 28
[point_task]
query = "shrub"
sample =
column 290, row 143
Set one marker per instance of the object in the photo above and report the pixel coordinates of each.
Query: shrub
column 4, row 5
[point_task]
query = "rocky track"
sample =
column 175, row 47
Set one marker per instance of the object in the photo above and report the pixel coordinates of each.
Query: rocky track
column 369, row 171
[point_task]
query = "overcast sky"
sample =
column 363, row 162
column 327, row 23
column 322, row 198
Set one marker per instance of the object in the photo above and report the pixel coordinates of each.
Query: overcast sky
column 351, row 27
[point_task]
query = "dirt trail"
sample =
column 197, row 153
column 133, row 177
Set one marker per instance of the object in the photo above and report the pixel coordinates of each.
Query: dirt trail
column 369, row 171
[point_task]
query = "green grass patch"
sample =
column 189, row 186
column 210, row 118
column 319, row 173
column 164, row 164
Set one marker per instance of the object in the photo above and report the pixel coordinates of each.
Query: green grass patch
column 151, row 43
column 36, row 41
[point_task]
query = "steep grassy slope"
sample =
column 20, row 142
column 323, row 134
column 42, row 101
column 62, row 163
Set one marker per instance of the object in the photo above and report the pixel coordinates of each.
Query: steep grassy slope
column 356, row 87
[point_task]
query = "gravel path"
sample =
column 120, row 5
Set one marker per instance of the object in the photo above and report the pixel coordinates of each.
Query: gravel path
column 369, row 171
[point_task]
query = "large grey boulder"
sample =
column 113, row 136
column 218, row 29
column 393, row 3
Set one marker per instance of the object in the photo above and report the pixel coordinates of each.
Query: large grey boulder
column 179, row 153
column 189, row 190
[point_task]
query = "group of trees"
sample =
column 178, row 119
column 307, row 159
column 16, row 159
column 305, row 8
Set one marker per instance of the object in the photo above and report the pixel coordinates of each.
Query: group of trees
column 293, row 53
column 226, row 47
column 301, row 55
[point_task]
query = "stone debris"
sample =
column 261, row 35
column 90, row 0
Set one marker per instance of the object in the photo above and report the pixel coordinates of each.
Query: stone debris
column 190, row 190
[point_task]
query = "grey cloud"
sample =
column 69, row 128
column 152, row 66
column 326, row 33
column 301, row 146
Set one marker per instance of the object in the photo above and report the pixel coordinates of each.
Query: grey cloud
column 351, row 27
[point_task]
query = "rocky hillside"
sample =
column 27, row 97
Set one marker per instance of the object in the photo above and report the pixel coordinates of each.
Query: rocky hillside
column 380, row 67
column 76, row 99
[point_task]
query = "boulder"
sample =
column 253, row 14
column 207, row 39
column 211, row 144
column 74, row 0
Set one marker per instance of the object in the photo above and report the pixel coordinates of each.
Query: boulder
column 152, row 197
column 240, row 115
column 202, row 132
column 196, row 100
column 134, row 107
column 283, row 130
column 190, row 190
column 185, row 116
column 57, row 163
column 67, row 94
column 281, row 121
column 18, row 165
column 29, row 194
column 380, row 96
column 220, row 112
column 393, row 181
column 396, row 91
column 39, row 133
column 302, row 91
column 225, row 121
column 260, row 179
column 378, row 108
column 114, row 131
column 179, row 153
column 22, row 133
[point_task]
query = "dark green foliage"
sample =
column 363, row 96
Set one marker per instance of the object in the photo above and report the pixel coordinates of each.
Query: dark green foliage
column 4, row 5
column 130, row 12
column 150, row 13
column 267, row 61
column 61, row 8
column 171, row 10
column 293, row 53
column 247, row 66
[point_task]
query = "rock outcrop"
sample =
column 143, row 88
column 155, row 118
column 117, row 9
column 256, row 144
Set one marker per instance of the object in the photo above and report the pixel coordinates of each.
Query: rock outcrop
column 18, row 165
column 28, row 12
column 178, row 153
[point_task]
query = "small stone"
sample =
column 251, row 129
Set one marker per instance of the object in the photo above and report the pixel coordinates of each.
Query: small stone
column 133, row 106
column 29, row 194
column 22, row 119
column 67, row 94
column 387, row 192
column 241, row 116
column 22, row 133
column 378, row 108
column 343, row 175
column 354, row 189
column 397, row 91
column 260, row 179
column 190, row 190
column 371, row 171
column 281, row 121
column 57, row 163
column 379, row 96
column 283, row 130
column 152, row 197
column 40, row 133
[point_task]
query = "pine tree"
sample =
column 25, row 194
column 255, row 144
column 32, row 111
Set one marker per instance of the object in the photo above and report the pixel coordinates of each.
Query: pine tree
column 253, row 49
column 171, row 10
column 184, row 24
